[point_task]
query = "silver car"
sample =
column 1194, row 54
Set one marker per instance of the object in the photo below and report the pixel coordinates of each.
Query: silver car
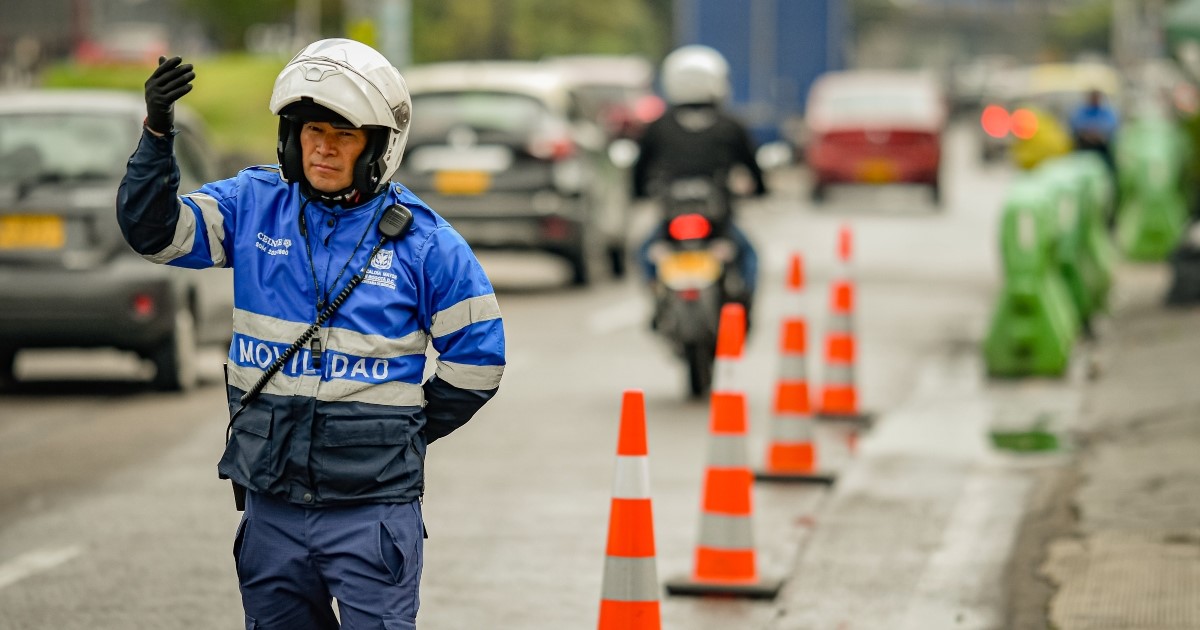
column 67, row 277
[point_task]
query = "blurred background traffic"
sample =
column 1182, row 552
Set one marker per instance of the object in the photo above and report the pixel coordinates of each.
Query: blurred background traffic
column 1008, row 171
column 977, row 52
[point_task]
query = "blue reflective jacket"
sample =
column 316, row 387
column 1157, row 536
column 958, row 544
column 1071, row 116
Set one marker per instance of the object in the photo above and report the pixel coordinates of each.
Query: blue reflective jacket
column 356, row 429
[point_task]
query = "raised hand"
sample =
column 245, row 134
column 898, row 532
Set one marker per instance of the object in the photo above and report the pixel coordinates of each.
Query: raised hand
column 170, row 81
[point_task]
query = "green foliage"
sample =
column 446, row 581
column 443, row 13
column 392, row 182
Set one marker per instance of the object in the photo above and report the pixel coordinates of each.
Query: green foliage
column 529, row 29
column 227, row 20
column 231, row 95
column 1087, row 26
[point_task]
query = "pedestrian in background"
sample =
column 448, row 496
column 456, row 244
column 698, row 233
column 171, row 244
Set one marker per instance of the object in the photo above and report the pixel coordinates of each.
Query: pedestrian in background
column 329, row 455
column 1094, row 127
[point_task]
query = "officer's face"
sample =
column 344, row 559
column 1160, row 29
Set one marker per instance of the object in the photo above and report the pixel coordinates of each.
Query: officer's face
column 329, row 155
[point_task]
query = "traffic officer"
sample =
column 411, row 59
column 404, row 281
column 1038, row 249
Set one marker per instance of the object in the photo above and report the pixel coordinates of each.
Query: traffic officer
column 330, row 455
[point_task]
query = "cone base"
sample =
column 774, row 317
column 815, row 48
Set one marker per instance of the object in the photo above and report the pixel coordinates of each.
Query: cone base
column 862, row 419
column 763, row 588
column 787, row 477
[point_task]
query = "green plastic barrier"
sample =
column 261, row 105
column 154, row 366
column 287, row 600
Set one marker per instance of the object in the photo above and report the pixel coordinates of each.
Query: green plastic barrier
column 1151, row 156
column 1101, row 194
column 1034, row 325
column 1085, row 255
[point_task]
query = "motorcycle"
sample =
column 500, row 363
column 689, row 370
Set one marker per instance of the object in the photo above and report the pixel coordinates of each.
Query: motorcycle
column 693, row 280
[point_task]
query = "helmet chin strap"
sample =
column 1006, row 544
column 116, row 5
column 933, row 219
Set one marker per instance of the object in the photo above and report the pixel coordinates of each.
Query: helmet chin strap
column 348, row 196
column 344, row 197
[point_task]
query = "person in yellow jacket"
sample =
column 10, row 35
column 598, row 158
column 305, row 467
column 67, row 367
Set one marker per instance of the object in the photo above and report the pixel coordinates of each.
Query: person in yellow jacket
column 1039, row 137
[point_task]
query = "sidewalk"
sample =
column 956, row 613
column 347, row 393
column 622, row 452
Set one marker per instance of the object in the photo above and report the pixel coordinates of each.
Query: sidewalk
column 932, row 526
column 1128, row 556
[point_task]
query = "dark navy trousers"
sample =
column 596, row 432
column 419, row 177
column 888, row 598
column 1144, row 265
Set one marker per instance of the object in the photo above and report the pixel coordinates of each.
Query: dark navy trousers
column 293, row 560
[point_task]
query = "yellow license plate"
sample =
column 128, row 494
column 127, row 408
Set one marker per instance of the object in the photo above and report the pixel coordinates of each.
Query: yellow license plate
column 42, row 231
column 692, row 265
column 877, row 171
column 461, row 182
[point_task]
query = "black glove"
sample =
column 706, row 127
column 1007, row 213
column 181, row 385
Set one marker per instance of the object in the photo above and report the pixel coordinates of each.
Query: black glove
column 171, row 80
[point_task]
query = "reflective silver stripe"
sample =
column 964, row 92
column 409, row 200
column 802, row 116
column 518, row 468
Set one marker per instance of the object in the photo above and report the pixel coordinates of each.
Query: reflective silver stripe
column 632, row 479
column 630, row 579
column 839, row 323
column 214, row 225
column 726, row 532
column 266, row 328
column 346, row 341
column 793, row 367
column 727, row 451
column 377, row 346
column 181, row 244
column 791, row 430
column 465, row 313
column 244, row 378
column 725, row 375
column 839, row 374
column 465, row 376
column 395, row 393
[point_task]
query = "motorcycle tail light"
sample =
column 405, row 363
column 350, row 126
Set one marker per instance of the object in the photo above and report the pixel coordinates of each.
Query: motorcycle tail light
column 1024, row 124
column 688, row 227
column 143, row 306
column 996, row 121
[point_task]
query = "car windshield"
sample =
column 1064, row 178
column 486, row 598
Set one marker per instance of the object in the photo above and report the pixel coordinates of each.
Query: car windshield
column 57, row 147
column 594, row 99
column 870, row 105
column 486, row 113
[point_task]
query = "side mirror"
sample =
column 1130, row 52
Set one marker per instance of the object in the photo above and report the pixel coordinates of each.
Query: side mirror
column 774, row 155
column 623, row 152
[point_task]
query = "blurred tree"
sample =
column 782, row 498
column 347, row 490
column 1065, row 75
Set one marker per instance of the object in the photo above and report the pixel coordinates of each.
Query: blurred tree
column 530, row 29
column 472, row 29
column 226, row 21
column 1084, row 27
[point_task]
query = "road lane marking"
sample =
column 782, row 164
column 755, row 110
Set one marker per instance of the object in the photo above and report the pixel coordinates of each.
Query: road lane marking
column 627, row 314
column 34, row 562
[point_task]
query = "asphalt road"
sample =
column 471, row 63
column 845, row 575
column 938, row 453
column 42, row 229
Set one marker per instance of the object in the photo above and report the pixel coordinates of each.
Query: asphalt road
column 111, row 515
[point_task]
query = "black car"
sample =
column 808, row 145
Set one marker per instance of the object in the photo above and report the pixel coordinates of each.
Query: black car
column 503, row 152
column 67, row 277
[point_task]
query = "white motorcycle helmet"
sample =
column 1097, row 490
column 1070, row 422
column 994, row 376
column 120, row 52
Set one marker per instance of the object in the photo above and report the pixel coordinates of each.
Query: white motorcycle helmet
column 695, row 75
column 344, row 82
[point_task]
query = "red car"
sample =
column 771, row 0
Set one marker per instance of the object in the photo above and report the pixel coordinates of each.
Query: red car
column 875, row 127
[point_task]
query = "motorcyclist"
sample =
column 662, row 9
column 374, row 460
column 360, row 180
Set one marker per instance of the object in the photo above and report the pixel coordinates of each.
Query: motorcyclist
column 697, row 137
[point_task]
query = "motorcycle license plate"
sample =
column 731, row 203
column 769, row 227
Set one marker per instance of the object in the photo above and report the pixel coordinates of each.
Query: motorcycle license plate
column 32, row 232
column 698, row 267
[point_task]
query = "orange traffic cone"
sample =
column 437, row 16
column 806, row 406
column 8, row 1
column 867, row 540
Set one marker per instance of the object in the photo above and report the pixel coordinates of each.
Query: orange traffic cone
column 839, row 394
column 725, row 562
column 792, row 449
column 629, row 596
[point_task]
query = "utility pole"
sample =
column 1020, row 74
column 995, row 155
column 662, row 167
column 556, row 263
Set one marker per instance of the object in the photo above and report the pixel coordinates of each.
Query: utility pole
column 395, row 31
column 308, row 23
column 1135, row 33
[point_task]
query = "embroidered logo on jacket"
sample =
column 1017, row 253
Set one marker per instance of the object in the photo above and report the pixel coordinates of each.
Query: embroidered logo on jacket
column 380, row 272
column 273, row 246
